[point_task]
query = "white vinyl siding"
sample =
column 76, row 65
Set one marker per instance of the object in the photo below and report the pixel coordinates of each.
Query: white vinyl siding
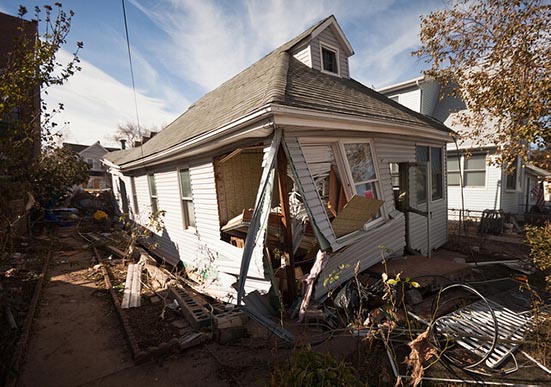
column 410, row 99
column 304, row 55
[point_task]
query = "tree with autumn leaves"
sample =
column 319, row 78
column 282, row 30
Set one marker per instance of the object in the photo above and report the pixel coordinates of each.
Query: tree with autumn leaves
column 496, row 56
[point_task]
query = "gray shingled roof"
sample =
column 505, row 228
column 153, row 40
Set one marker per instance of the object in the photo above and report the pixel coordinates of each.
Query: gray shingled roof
column 276, row 78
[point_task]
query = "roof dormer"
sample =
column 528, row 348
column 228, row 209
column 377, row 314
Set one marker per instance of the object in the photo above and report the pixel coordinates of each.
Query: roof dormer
column 324, row 47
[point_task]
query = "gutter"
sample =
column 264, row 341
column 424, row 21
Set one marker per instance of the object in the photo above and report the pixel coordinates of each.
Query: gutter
column 339, row 121
column 201, row 139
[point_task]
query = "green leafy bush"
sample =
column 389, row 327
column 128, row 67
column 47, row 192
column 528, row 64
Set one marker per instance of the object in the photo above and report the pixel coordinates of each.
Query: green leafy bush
column 309, row 368
column 539, row 240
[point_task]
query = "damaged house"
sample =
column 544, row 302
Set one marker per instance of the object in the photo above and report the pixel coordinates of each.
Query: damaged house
column 289, row 157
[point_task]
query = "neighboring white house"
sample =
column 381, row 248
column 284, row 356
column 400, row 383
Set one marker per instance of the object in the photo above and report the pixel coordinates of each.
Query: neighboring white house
column 290, row 154
column 93, row 154
column 485, row 185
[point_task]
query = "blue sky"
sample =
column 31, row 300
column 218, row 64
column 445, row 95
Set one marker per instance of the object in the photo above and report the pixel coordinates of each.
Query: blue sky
column 184, row 48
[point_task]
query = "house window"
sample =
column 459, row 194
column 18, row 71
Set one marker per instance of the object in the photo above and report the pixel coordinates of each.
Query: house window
column 134, row 195
column 395, row 176
column 188, row 214
column 436, row 164
column 432, row 155
column 153, row 194
column 475, row 170
column 512, row 177
column 363, row 172
column 329, row 60
column 454, row 170
column 90, row 163
column 422, row 157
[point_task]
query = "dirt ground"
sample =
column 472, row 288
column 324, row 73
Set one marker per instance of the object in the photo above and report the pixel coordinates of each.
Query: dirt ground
column 77, row 339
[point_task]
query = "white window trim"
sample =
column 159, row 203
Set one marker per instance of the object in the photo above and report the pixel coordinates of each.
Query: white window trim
column 462, row 172
column 476, row 187
column 337, row 58
column 135, row 202
column 185, row 224
column 443, row 156
column 151, row 196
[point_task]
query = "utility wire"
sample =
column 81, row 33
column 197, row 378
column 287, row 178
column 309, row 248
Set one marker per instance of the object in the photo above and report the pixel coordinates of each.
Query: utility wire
column 131, row 68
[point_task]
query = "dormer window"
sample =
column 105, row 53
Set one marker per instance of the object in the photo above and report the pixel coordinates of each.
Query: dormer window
column 329, row 59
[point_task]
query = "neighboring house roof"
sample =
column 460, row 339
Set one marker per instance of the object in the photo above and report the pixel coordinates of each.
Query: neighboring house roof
column 278, row 78
column 538, row 171
column 78, row 148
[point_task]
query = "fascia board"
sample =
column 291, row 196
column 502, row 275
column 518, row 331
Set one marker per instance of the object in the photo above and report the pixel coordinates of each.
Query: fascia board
column 305, row 119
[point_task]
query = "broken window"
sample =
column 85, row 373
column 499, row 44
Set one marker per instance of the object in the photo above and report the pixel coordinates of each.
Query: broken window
column 153, row 194
column 188, row 214
column 363, row 171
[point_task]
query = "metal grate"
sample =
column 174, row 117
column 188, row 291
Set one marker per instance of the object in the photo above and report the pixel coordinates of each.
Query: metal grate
column 474, row 325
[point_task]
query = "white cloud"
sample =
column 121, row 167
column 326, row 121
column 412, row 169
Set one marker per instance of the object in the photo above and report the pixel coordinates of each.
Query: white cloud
column 95, row 103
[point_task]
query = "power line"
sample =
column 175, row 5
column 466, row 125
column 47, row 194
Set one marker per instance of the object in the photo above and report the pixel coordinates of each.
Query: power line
column 131, row 67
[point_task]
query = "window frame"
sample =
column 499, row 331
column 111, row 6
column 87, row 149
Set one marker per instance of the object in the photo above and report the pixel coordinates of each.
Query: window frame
column 466, row 171
column 339, row 153
column 188, row 223
column 153, row 194
column 135, row 203
column 517, row 179
column 350, row 186
column 443, row 156
column 459, row 159
column 334, row 50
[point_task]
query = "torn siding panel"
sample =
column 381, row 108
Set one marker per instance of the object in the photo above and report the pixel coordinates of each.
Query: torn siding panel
column 318, row 215
column 252, row 262
column 366, row 249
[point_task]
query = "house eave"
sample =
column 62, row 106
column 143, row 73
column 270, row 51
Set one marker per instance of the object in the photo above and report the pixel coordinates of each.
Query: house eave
column 243, row 127
column 300, row 119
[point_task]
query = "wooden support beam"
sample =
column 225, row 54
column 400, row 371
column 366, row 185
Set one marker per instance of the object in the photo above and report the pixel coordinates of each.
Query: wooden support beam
column 286, row 220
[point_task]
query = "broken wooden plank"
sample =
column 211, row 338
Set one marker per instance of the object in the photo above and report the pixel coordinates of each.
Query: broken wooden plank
column 355, row 214
column 127, row 287
column 135, row 298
